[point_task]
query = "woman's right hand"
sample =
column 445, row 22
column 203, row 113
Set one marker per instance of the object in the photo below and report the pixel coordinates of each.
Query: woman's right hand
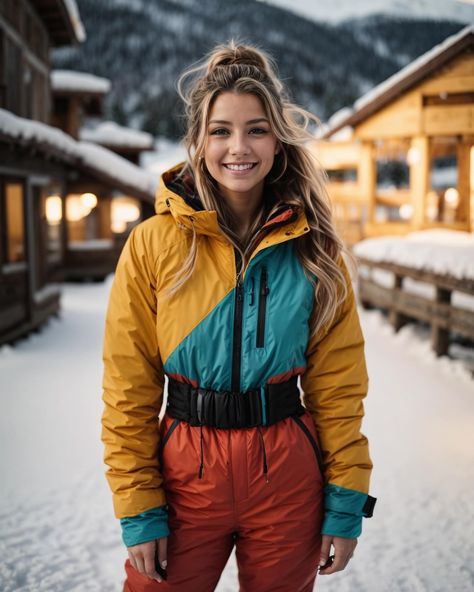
column 142, row 557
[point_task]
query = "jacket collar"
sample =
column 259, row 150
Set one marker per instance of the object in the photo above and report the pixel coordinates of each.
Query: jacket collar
column 178, row 198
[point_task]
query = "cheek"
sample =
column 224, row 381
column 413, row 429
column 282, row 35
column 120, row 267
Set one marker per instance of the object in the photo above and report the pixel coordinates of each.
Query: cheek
column 213, row 158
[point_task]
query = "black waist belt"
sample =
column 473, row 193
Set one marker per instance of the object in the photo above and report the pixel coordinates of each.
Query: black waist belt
column 229, row 409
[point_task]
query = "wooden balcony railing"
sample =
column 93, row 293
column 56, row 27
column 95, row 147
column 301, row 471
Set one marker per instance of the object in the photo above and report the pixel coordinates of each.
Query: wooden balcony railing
column 436, row 308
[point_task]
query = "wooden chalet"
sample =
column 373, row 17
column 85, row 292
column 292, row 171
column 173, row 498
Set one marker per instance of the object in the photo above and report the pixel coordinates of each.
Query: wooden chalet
column 66, row 206
column 402, row 158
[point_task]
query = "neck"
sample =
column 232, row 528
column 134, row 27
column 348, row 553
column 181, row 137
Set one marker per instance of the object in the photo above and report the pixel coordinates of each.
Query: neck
column 244, row 208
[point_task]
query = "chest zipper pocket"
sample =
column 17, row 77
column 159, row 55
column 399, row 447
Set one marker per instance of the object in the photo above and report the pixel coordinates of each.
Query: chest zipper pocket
column 262, row 307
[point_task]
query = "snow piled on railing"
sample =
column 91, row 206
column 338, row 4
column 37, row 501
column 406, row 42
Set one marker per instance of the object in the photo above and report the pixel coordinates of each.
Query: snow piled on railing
column 446, row 252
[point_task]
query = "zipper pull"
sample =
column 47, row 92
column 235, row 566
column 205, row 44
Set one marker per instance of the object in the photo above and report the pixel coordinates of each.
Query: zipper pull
column 252, row 290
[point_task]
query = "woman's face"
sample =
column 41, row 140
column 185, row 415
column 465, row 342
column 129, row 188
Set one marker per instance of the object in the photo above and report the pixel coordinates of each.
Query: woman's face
column 240, row 145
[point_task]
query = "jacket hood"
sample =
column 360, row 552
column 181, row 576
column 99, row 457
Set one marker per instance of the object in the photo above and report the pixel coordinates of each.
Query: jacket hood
column 176, row 195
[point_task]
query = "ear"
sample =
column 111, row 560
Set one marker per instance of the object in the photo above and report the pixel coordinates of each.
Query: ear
column 277, row 148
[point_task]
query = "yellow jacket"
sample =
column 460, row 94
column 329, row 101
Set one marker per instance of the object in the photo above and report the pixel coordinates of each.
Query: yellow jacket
column 147, row 335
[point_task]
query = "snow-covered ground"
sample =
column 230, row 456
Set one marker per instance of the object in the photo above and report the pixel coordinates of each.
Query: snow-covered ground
column 58, row 532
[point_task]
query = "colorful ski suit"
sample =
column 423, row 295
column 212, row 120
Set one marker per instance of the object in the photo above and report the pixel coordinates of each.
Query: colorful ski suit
column 290, row 481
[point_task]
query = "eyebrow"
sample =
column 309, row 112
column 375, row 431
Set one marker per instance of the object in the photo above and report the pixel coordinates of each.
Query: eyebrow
column 258, row 120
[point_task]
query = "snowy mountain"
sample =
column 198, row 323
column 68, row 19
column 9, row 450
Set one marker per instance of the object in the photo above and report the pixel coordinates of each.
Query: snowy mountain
column 336, row 11
column 143, row 45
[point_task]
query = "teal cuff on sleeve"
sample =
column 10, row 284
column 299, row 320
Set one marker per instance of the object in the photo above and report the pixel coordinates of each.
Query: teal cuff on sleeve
column 341, row 525
column 147, row 526
column 344, row 510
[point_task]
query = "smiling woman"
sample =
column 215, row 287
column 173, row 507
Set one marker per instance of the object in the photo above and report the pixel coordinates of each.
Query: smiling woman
column 239, row 155
column 234, row 291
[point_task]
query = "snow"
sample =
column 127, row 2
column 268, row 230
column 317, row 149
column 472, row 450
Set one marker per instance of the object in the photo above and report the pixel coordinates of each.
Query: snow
column 166, row 155
column 72, row 81
column 335, row 11
column 95, row 157
column 110, row 133
column 91, row 245
column 406, row 72
column 75, row 18
column 58, row 530
column 447, row 252
column 45, row 293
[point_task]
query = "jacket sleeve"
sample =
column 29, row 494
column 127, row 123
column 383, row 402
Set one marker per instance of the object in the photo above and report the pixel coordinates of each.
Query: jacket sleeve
column 334, row 384
column 133, row 382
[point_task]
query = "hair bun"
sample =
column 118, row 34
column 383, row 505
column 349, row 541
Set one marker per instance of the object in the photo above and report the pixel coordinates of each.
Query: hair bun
column 238, row 53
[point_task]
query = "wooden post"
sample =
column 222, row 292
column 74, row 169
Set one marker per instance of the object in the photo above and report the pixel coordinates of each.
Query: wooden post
column 440, row 335
column 464, row 165
column 367, row 179
column 419, row 179
column 396, row 318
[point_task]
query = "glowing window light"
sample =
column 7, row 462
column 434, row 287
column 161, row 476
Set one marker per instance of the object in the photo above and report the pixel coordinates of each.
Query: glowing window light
column 405, row 211
column 75, row 209
column 124, row 210
column 413, row 155
column 451, row 196
column 432, row 206
column 89, row 200
column 54, row 209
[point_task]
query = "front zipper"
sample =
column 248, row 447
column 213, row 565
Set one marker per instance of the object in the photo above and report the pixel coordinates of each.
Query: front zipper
column 312, row 441
column 237, row 337
column 262, row 307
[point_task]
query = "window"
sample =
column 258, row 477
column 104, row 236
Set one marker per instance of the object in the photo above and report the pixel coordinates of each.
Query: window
column 14, row 223
column 51, row 214
column 442, row 201
column 393, row 202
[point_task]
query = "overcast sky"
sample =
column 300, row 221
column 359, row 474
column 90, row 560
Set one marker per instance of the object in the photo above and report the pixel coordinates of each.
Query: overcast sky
column 336, row 10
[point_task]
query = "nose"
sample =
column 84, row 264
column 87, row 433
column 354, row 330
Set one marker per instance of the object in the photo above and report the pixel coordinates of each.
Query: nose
column 239, row 144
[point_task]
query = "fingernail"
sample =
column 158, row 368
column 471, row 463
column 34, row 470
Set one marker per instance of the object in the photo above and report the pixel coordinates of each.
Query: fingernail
column 164, row 564
column 321, row 562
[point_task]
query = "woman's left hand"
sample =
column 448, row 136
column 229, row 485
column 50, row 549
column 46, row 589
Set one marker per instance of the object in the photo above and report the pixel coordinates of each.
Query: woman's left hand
column 343, row 551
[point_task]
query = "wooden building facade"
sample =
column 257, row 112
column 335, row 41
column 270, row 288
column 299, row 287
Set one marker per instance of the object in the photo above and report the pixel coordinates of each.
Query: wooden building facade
column 402, row 159
column 59, row 197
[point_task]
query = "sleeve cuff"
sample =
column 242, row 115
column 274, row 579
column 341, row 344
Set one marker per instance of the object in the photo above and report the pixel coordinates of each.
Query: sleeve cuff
column 147, row 526
column 344, row 510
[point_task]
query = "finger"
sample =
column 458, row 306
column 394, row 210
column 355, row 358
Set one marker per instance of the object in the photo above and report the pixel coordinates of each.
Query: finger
column 139, row 563
column 337, row 565
column 132, row 560
column 149, row 559
column 325, row 548
column 163, row 552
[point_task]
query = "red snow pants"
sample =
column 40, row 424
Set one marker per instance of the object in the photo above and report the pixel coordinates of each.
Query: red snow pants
column 275, row 525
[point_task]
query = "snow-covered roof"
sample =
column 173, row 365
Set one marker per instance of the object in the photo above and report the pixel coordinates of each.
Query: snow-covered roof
column 109, row 133
column 403, row 79
column 441, row 251
column 72, row 81
column 91, row 157
column 75, row 19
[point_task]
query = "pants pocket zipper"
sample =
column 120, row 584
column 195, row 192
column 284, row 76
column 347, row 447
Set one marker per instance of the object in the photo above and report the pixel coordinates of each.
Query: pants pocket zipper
column 312, row 441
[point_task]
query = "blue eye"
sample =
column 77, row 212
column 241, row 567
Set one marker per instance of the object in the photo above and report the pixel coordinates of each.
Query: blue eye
column 220, row 129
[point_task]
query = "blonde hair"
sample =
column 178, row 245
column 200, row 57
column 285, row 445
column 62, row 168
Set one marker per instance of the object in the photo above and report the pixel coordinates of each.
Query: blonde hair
column 296, row 175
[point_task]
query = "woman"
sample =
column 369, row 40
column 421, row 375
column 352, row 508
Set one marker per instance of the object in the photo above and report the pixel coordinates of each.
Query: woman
column 234, row 289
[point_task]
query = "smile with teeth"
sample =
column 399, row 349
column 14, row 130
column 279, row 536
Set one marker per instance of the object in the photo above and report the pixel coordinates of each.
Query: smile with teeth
column 240, row 167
